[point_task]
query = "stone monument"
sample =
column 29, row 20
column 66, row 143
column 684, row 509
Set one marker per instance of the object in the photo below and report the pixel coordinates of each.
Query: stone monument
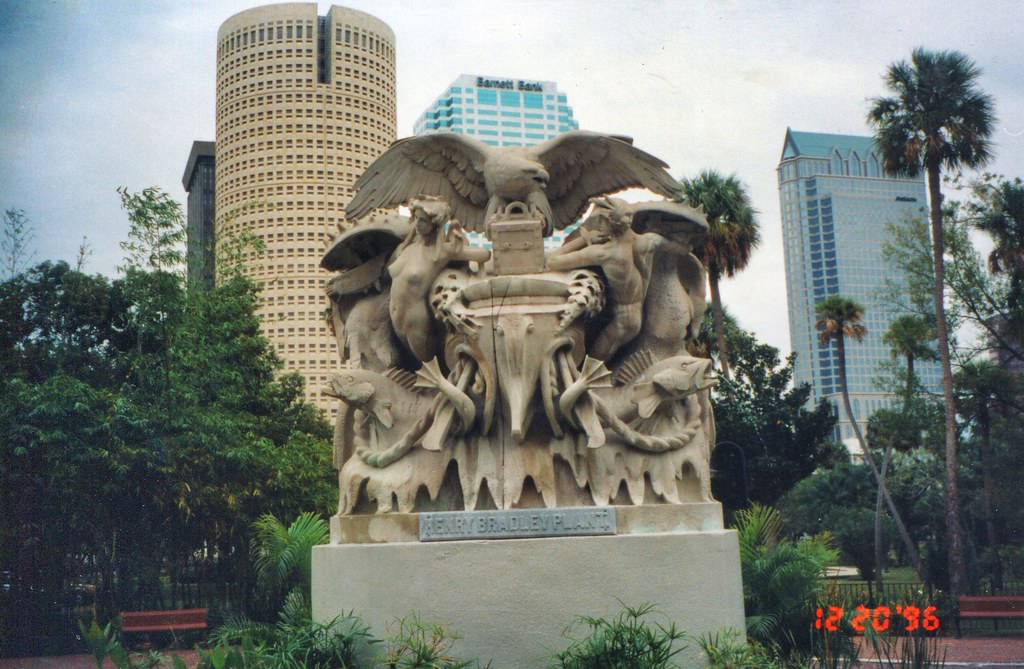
column 523, row 436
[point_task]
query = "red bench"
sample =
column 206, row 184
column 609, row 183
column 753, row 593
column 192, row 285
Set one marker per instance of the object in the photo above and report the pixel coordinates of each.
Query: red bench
column 179, row 620
column 991, row 606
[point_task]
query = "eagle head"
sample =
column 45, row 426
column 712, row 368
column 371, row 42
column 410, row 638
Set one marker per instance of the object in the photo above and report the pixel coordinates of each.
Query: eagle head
column 514, row 177
column 539, row 176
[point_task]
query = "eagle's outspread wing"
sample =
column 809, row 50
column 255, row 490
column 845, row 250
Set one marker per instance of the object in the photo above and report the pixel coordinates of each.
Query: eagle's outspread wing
column 585, row 164
column 445, row 165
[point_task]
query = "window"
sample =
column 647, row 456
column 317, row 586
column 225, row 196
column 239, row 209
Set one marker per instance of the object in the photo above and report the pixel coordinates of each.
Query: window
column 854, row 164
column 510, row 99
column 874, row 169
column 486, row 97
column 533, row 100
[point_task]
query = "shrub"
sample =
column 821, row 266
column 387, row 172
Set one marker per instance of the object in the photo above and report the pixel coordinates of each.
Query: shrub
column 729, row 650
column 782, row 580
column 625, row 642
column 296, row 641
column 419, row 645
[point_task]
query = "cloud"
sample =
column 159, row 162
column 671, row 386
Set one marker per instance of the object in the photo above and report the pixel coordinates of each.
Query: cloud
column 99, row 95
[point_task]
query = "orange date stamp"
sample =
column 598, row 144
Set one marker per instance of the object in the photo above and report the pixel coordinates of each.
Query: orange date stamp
column 880, row 618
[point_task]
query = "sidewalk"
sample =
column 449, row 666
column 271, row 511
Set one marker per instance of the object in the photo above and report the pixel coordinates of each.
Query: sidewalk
column 83, row 661
column 973, row 652
column 962, row 653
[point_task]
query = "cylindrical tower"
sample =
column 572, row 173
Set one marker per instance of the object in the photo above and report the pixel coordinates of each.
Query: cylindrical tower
column 304, row 104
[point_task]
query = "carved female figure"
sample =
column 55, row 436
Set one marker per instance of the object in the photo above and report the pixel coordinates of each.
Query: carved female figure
column 417, row 261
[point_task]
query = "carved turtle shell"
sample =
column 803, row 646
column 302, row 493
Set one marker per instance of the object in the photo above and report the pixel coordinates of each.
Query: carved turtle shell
column 378, row 235
column 669, row 219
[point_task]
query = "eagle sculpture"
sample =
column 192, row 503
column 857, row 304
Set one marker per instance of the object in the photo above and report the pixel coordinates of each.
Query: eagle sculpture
column 555, row 179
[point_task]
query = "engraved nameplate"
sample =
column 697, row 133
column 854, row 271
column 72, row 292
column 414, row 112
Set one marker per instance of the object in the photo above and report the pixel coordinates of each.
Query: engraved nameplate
column 517, row 524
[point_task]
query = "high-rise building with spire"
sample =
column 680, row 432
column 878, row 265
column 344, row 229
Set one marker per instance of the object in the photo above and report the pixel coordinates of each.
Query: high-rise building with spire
column 836, row 202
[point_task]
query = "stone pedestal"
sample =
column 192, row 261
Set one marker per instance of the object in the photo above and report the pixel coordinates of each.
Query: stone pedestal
column 510, row 600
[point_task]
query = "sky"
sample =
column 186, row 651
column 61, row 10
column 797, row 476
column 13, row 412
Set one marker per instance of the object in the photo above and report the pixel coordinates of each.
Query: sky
column 100, row 94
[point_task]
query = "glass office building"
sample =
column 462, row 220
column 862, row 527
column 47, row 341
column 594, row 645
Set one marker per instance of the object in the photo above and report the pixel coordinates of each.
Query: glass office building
column 199, row 181
column 499, row 111
column 836, row 203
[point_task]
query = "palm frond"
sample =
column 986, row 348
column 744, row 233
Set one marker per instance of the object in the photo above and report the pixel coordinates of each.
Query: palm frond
column 283, row 555
column 235, row 629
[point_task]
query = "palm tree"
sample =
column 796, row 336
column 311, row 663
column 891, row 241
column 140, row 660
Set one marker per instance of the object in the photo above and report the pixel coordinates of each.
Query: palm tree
column 733, row 234
column 938, row 119
column 908, row 336
column 839, row 318
column 704, row 344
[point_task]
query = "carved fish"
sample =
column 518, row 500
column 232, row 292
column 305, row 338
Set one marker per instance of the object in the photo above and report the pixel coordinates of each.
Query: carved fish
column 390, row 404
column 357, row 387
column 671, row 380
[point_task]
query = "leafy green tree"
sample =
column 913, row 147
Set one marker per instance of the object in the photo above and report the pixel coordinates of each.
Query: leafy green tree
column 240, row 443
column 986, row 388
column 937, row 119
column 767, row 436
column 156, row 232
column 154, row 280
column 142, row 431
column 733, row 234
column 998, row 210
column 836, row 501
column 839, row 318
column 977, row 299
column 15, row 242
column 54, row 319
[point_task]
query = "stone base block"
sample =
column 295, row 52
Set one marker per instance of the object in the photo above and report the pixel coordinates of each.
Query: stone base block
column 511, row 600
